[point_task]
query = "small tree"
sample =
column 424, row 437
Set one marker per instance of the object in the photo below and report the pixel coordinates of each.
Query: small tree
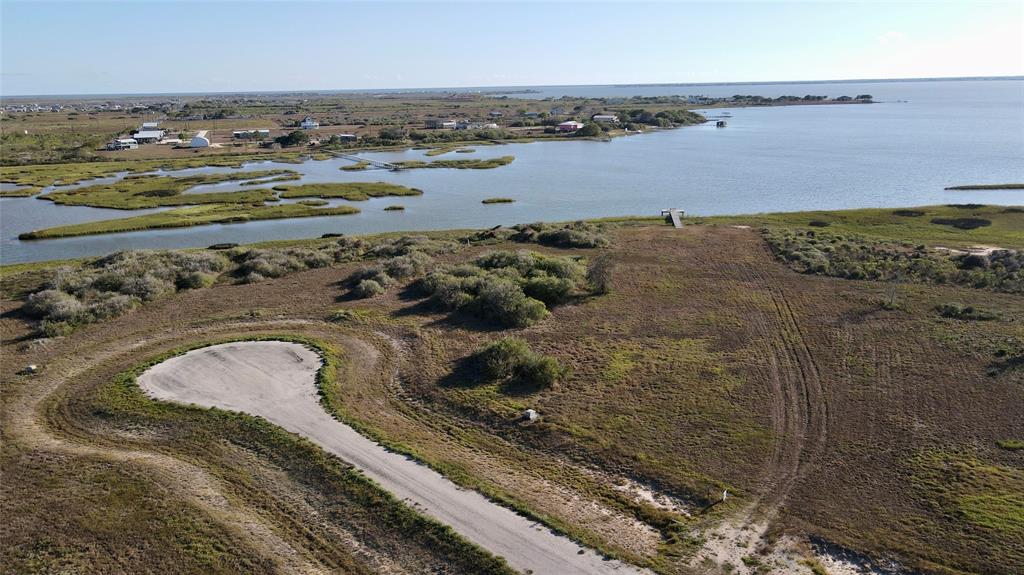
column 295, row 138
column 599, row 273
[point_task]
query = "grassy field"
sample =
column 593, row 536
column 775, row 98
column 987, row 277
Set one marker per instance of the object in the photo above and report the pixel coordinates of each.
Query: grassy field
column 191, row 216
column 353, row 191
column 911, row 225
column 851, row 410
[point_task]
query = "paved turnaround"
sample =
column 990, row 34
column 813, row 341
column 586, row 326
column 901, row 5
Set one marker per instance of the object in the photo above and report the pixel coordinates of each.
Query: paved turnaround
column 277, row 381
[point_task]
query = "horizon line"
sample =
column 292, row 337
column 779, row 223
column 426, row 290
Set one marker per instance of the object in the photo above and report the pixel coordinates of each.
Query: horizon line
column 512, row 87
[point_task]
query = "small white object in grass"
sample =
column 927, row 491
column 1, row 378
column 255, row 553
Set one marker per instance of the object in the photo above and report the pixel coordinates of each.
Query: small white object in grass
column 31, row 368
column 725, row 494
column 530, row 415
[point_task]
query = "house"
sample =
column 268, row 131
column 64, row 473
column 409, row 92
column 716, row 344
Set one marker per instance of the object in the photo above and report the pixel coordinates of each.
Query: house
column 438, row 123
column 149, row 136
column 570, row 126
column 200, row 141
column 310, row 124
column 347, row 137
column 531, row 114
column 496, row 114
column 250, row 134
column 150, row 126
column 605, row 118
column 557, row 111
column 123, row 144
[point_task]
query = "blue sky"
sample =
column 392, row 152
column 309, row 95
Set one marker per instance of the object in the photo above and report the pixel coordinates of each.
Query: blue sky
column 189, row 46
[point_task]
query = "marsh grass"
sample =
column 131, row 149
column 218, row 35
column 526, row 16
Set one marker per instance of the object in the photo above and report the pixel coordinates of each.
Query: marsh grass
column 352, row 191
column 151, row 191
column 190, row 216
column 474, row 164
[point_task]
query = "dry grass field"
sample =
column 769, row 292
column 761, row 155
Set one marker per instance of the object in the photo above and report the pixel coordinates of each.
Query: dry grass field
column 841, row 416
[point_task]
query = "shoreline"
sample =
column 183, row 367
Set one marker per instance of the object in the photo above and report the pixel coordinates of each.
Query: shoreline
column 956, row 238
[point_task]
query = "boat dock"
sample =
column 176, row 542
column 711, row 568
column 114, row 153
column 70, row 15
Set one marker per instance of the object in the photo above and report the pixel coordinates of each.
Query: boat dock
column 675, row 215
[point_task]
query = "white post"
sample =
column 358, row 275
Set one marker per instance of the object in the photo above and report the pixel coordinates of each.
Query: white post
column 725, row 494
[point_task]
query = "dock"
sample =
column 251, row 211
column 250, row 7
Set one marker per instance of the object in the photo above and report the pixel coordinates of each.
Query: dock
column 674, row 214
column 374, row 163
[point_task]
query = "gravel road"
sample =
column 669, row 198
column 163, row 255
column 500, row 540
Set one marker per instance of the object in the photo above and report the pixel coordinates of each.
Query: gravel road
column 276, row 380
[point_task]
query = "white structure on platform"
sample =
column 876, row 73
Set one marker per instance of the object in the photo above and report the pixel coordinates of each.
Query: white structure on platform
column 310, row 124
column 200, row 140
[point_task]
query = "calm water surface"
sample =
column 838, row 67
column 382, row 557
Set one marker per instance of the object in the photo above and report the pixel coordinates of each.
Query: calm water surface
column 922, row 137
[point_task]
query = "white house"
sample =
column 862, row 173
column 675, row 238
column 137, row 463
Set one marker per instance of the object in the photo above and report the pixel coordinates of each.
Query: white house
column 149, row 136
column 605, row 118
column 310, row 124
column 150, row 126
column 570, row 126
column 199, row 142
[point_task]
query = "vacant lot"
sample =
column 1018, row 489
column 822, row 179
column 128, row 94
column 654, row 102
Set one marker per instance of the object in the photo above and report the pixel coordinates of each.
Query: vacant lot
column 858, row 412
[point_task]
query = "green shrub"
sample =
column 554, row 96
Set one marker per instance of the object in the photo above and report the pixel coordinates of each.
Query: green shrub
column 500, row 359
column 541, row 371
column 511, row 357
column 367, row 289
column 195, row 280
column 504, row 302
column 957, row 311
column 550, row 290
column 373, row 273
column 409, row 265
column 53, row 305
column 575, row 235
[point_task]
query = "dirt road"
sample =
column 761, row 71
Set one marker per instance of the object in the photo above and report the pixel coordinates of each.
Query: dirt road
column 276, row 381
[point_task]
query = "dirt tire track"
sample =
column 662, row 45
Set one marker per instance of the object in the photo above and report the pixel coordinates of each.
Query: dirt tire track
column 798, row 412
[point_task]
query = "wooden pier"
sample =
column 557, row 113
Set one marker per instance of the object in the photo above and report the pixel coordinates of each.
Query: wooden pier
column 374, row 163
column 674, row 214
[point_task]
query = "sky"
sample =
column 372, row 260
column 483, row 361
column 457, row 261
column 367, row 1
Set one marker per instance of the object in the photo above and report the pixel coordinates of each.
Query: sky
column 86, row 47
